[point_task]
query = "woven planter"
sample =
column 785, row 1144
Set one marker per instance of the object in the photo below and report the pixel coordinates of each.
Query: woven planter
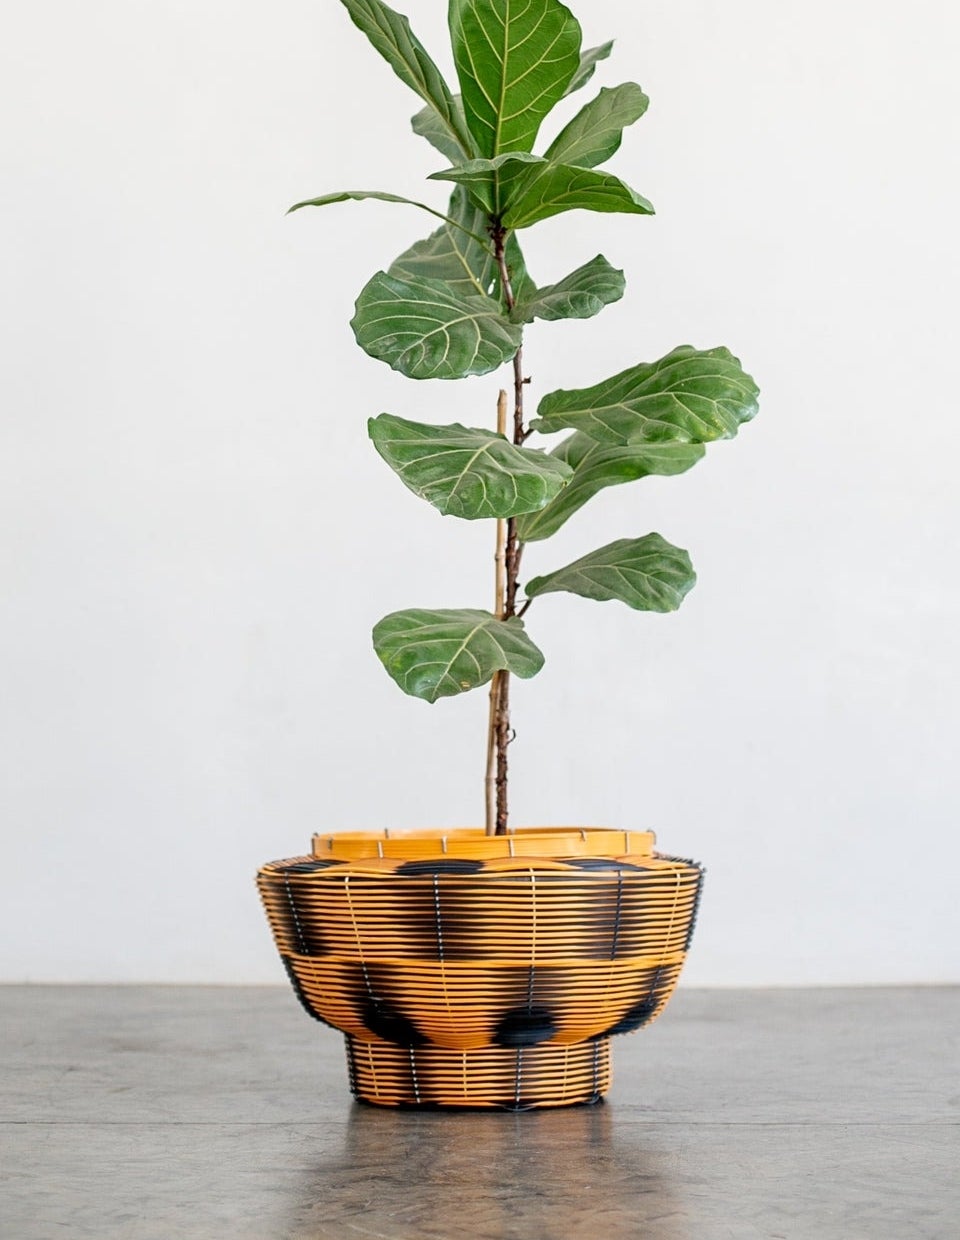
column 469, row 970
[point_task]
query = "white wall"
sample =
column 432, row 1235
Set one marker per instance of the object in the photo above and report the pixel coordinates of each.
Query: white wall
column 196, row 536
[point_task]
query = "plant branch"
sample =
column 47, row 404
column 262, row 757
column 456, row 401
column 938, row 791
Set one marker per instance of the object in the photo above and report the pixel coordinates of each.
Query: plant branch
column 500, row 582
column 513, row 548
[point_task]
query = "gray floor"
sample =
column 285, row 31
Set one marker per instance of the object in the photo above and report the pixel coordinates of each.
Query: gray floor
column 188, row 1113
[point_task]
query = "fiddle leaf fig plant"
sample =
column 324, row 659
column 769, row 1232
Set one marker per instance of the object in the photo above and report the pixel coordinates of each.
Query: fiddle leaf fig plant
column 455, row 304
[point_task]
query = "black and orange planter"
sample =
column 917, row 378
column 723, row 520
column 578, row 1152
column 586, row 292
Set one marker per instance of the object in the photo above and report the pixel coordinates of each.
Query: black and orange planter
column 469, row 970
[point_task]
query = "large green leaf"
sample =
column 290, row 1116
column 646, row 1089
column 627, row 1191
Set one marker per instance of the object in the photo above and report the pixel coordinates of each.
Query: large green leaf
column 597, row 466
column 690, row 396
column 361, row 195
column 492, row 183
column 435, row 654
column 515, row 59
column 459, row 254
column 588, row 63
column 596, row 131
column 648, row 574
column 579, row 295
column 552, row 188
column 429, row 124
column 466, row 472
column 522, row 189
column 390, row 34
column 456, row 253
column 428, row 330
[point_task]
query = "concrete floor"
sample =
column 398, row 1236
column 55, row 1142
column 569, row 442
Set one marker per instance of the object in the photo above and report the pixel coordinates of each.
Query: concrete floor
column 161, row 1113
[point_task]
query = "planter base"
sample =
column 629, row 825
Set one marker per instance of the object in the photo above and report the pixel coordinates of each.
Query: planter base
column 490, row 1077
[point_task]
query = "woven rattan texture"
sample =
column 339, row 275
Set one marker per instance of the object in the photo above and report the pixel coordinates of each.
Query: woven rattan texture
column 511, row 1080
column 429, row 966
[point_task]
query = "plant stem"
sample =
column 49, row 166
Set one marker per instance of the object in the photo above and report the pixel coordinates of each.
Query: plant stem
column 500, row 583
column 512, row 553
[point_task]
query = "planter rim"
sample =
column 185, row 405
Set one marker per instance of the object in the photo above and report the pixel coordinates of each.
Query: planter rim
column 424, row 843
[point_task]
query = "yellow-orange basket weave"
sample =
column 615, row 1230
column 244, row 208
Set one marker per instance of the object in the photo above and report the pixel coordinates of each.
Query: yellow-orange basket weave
column 469, row 970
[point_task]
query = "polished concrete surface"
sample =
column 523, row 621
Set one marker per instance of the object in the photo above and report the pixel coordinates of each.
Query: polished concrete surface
column 167, row 1113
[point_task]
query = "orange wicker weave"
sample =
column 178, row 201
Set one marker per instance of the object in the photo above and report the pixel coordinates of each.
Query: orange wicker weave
column 482, row 971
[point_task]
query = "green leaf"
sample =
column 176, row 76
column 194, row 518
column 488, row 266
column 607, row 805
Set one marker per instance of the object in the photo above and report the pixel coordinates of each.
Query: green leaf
column 466, row 472
column 580, row 295
column 588, row 63
column 553, row 188
column 429, row 124
column 428, row 330
column 454, row 253
column 523, row 189
column 492, row 183
column 515, row 59
column 648, row 574
column 521, row 282
column 596, row 131
column 689, row 396
column 390, row 34
column 360, row 195
column 435, row 654
column 597, row 466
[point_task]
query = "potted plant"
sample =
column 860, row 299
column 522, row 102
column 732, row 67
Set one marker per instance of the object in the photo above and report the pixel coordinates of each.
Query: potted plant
column 491, row 966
